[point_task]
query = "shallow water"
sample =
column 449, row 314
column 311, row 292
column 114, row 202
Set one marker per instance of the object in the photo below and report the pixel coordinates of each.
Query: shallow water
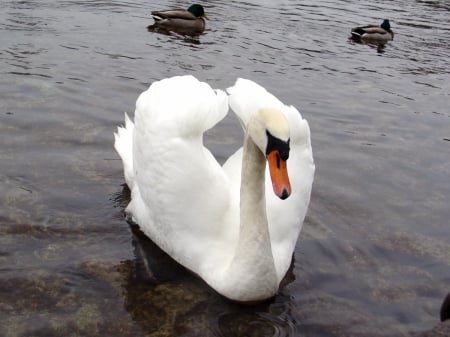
column 373, row 257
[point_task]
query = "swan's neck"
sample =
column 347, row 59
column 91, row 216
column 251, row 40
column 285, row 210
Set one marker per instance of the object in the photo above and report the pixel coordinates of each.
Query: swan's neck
column 253, row 263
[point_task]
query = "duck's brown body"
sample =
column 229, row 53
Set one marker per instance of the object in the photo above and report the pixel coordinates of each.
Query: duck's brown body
column 190, row 21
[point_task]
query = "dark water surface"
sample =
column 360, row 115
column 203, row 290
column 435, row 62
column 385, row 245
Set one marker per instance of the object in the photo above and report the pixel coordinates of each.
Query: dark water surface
column 373, row 258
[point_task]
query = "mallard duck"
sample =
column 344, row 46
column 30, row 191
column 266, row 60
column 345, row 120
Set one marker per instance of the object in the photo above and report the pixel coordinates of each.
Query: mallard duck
column 236, row 225
column 190, row 21
column 380, row 33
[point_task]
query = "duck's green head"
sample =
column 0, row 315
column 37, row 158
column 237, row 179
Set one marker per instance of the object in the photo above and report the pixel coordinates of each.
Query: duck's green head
column 385, row 25
column 197, row 10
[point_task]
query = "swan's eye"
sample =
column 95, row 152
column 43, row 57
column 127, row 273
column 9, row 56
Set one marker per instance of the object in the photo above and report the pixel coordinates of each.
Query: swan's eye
column 276, row 144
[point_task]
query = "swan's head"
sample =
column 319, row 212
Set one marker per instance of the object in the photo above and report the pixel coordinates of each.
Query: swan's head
column 269, row 130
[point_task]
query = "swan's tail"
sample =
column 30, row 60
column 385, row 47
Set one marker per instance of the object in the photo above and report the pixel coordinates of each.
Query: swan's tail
column 124, row 146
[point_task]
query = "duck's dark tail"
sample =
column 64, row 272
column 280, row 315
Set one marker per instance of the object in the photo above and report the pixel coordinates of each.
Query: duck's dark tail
column 357, row 32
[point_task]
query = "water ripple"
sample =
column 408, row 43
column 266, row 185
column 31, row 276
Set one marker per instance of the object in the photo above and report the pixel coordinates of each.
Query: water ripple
column 262, row 324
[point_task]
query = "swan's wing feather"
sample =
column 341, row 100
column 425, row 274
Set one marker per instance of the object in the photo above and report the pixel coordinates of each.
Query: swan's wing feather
column 176, row 177
column 246, row 97
column 285, row 217
column 123, row 143
column 181, row 106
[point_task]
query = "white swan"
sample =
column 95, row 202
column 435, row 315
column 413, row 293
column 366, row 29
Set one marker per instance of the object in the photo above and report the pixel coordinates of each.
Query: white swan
column 238, row 237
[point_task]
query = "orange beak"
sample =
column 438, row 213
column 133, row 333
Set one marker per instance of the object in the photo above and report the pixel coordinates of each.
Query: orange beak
column 279, row 175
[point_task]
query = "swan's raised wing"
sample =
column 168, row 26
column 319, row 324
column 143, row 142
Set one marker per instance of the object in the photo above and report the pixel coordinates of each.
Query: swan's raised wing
column 246, row 97
column 180, row 106
column 285, row 217
column 180, row 195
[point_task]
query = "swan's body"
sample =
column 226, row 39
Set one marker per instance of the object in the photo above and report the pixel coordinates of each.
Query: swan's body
column 238, row 237
column 381, row 33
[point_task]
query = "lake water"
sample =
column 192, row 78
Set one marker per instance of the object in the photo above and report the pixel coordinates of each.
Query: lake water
column 373, row 258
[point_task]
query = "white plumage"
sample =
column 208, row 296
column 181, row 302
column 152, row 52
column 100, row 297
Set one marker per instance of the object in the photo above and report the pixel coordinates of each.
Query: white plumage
column 239, row 239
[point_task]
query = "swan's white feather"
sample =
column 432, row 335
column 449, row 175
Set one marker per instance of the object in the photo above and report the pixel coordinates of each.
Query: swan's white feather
column 182, row 198
column 285, row 216
column 180, row 194
column 123, row 144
